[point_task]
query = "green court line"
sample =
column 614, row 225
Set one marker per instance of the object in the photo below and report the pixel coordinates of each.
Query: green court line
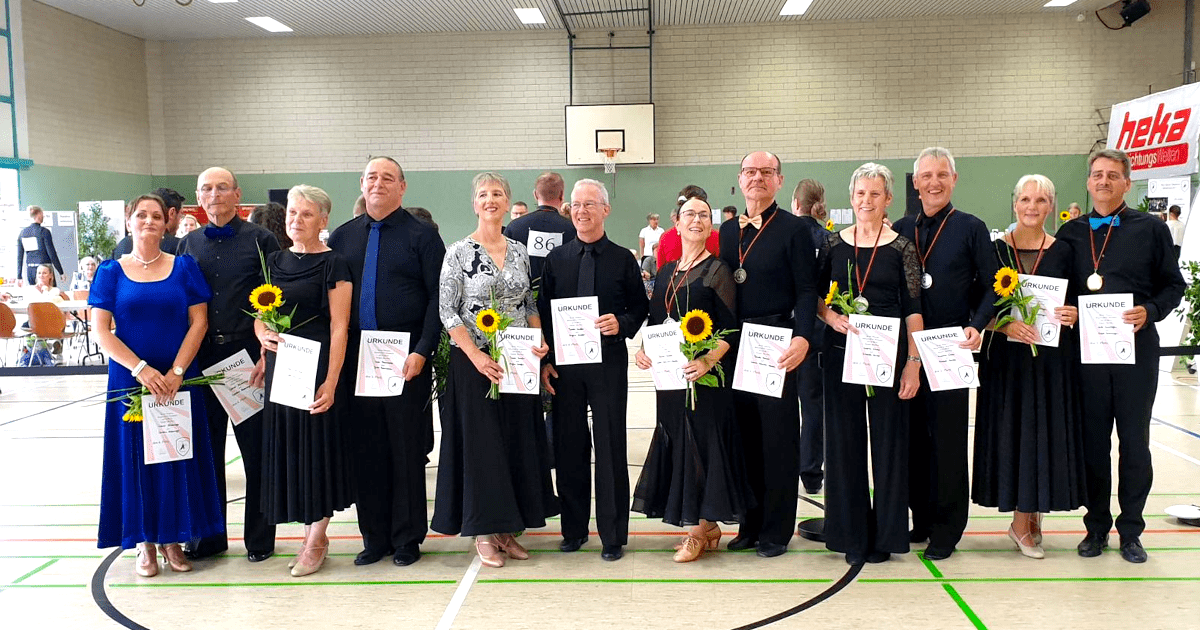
column 295, row 583
column 45, row 586
column 34, row 572
column 233, row 460
column 654, row 581
column 967, row 580
column 929, row 565
column 962, row 605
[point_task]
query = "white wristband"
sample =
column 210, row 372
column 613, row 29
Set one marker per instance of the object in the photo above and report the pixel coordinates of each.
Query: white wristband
column 137, row 369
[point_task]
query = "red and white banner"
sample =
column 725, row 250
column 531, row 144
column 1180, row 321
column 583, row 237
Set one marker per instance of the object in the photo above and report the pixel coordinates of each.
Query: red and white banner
column 1158, row 132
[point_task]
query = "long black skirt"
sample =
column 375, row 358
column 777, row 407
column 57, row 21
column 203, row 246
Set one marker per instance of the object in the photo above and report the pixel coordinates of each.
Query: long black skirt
column 695, row 468
column 494, row 472
column 1028, row 430
column 307, row 473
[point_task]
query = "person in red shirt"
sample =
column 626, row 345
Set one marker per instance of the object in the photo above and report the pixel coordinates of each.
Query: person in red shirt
column 670, row 246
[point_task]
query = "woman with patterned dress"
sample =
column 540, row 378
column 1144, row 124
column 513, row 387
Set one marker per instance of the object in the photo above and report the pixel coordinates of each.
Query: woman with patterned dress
column 1028, row 428
column 306, row 465
column 493, row 474
column 694, row 473
column 158, row 303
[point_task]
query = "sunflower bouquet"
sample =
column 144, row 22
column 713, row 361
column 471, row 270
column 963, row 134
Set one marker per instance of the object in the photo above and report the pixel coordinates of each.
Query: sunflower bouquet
column 830, row 225
column 700, row 338
column 132, row 396
column 491, row 322
column 267, row 299
column 846, row 303
column 1011, row 289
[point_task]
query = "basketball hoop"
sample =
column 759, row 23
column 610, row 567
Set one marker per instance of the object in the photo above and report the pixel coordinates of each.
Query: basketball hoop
column 610, row 166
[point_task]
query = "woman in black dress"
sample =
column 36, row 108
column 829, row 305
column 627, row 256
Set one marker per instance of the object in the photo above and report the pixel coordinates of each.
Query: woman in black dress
column 493, row 472
column 306, row 469
column 1028, row 433
column 694, row 473
column 886, row 272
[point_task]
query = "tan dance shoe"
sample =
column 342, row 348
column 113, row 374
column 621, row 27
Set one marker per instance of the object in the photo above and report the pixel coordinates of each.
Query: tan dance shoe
column 690, row 549
column 489, row 551
column 147, row 560
column 175, row 558
column 311, row 560
column 1031, row 550
column 510, row 546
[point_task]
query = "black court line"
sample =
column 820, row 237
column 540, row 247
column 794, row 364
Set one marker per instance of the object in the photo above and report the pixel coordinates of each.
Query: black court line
column 101, row 598
column 73, row 402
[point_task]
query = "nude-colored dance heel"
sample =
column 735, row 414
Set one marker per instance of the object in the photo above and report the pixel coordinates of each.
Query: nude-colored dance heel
column 489, row 551
column 147, row 560
column 309, row 565
column 173, row 554
column 1035, row 527
column 690, row 549
column 1029, row 551
column 510, row 546
column 712, row 538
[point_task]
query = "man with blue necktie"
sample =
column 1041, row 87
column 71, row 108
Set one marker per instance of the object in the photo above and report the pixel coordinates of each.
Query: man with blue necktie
column 1119, row 250
column 227, row 250
column 394, row 261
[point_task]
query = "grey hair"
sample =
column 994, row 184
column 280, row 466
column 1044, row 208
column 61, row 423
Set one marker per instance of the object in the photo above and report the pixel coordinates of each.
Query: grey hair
column 1111, row 154
column 1042, row 182
column 871, row 170
column 490, row 177
column 937, row 153
column 592, row 182
column 311, row 194
column 652, row 215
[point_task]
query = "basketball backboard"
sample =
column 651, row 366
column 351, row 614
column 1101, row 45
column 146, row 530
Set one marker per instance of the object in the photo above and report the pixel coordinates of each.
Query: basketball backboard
column 592, row 128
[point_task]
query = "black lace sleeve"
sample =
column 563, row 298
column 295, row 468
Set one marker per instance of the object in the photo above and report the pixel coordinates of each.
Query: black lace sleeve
column 910, row 291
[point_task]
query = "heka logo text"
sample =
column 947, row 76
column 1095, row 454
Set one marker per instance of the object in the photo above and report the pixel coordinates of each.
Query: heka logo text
column 1159, row 128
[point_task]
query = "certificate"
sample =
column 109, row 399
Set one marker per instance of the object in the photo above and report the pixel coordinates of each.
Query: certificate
column 757, row 368
column 239, row 399
column 294, row 379
column 946, row 365
column 661, row 344
column 576, row 338
column 1103, row 335
column 167, row 428
column 871, row 354
column 381, row 357
column 521, row 365
column 1049, row 293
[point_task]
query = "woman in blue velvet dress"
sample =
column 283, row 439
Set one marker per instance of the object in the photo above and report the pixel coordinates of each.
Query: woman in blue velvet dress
column 158, row 304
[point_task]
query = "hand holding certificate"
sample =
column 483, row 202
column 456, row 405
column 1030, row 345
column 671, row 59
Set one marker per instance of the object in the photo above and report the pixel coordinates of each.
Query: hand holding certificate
column 167, row 429
column 1047, row 294
column 381, row 357
column 757, row 368
column 661, row 345
column 520, row 361
column 947, row 366
column 237, row 396
column 295, row 376
column 871, row 353
column 576, row 337
column 1104, row 337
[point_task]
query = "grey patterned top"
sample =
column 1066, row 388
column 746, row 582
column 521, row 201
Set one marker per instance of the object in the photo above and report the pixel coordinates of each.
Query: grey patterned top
column 470, row 279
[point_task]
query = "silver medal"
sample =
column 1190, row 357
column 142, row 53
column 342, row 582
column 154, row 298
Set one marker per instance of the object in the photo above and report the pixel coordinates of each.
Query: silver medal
column 739, row 276
column 1095, row 282
column 861, row 304
column 926, row 281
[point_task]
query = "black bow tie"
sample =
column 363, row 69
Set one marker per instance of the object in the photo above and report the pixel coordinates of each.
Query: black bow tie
column 215, row 232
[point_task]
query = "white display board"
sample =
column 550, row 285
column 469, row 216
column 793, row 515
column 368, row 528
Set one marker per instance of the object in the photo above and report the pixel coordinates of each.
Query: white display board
column 592, row 127
column 1170, row 329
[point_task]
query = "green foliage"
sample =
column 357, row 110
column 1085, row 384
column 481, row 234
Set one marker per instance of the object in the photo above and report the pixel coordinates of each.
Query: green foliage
column 441, row 365
column 96, row 236
column 1191, row 302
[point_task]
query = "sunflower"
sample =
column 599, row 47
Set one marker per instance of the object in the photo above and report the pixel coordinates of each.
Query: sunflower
column 1006, row 281
column 266, row 297
column 133, row 412
column 832, row 292
column 829, row 225
column 696, row 326
column 1064, row 216
column 488, row 320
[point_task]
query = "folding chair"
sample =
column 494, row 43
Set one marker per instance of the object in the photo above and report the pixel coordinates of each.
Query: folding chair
column 46, row 321
column 8, row 323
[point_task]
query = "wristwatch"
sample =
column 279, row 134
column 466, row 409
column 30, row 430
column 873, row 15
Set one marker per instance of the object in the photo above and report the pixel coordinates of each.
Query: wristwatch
column 178, row 371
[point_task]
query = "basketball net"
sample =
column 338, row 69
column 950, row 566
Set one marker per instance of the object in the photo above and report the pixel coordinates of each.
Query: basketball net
column 610, row 166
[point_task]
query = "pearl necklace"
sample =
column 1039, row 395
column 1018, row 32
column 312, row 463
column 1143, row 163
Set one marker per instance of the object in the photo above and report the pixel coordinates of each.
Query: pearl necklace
column 146, row 263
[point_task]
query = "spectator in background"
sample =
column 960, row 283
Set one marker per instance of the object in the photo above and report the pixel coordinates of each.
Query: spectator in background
column 728, row 213
column 1074, row 210
column 670, row 246
column 1176, row 226
column 422, row 215
column 808, row 203
column 35, row 247
column 648, row 237
column 271, row 216
column 169, row 243
column 360, row 206
column 187, row 223
column 82, row 281
column 541, row 231
column 519, row 209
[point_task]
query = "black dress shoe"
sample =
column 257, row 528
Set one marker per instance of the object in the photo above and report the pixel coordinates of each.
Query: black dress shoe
column 406, row 555
column 938, row 553
column 742, row 543
column 612, row 552
column 855, row 559
column 370, row 556
column 918, row 535
column 201, row 552
column 813, row 488
column 1092, row 545
column 259, row 556
column 876, row 557
column 770, row 549
column 572, row 544
column 1132, row 550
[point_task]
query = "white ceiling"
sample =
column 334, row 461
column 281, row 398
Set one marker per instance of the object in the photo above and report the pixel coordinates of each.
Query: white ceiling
column 166, row 20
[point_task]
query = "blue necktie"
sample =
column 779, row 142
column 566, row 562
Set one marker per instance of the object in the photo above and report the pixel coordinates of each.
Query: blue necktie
column 1098, row 223
column 214, row 232
column 366, row 300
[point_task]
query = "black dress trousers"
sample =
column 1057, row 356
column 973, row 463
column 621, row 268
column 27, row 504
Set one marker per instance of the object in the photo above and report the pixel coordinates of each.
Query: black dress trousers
column 771, row 440
column 258, row 531
column 938, row 479
column 810, row 386
column 604, row 387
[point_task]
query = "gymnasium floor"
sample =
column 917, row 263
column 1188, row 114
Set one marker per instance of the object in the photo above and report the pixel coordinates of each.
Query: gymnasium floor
column 52, row 575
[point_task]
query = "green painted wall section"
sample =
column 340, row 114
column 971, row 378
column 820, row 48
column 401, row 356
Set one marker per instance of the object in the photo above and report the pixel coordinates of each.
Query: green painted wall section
column 984, row 188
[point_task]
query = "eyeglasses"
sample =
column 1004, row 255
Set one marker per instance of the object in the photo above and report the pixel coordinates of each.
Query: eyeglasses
column 750, row 171
column 208, row 191
column 587, row 205
column 688, row 215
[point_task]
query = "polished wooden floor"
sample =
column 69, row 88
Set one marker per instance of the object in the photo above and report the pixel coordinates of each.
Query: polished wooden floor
column 52, row 575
